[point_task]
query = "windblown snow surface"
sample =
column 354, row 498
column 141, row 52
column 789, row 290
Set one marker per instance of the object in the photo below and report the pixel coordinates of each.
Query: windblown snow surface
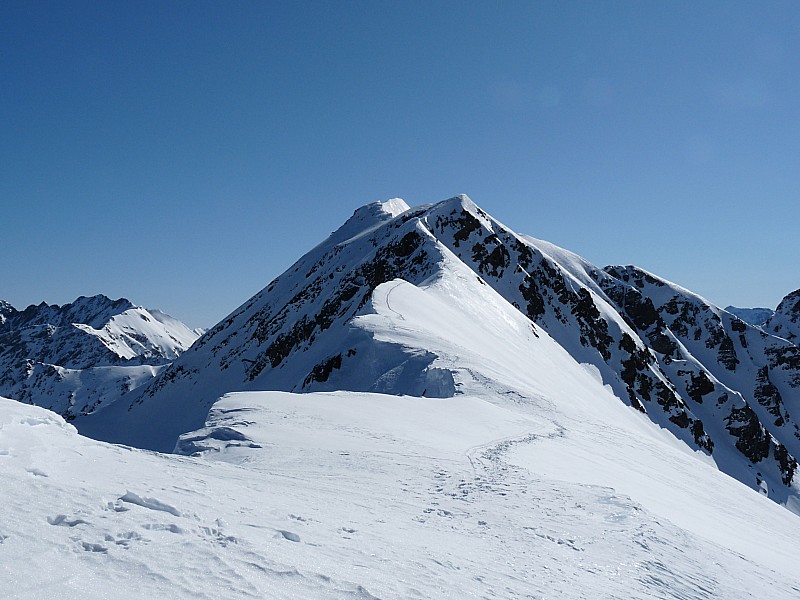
column 533, row 481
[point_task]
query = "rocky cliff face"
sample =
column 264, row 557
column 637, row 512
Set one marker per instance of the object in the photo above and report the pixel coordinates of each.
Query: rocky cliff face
column 786, row 320
column 730, row 372
column 74, row 358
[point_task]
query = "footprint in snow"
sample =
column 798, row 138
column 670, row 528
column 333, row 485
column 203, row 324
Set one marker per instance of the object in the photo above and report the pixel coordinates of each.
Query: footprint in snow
column 124, row 539
column 94, row 547
column 217, row 535
column 288, row 535
column 171, row 527
column 117, row 506
column 151, row 503
column 62, row 521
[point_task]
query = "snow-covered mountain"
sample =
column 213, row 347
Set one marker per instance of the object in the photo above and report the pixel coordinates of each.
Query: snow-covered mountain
column 786, row 320
column 77, row 357
column 753, row 316
column 456, row 411
column 722, row 387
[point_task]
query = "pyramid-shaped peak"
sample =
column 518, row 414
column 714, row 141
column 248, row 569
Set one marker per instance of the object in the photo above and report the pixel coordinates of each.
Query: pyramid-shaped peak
column 459, row 202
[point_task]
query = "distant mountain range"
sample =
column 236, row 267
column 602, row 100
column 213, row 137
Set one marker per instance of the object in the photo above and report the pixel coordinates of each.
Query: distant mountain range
column 783, row 322
column 74, row 359
column 753, row 316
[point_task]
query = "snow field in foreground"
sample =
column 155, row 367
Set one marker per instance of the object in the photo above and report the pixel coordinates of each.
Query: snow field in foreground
column 352, row 496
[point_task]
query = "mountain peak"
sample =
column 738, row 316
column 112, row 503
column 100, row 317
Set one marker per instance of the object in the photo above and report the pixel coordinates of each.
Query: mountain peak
column 558, row 386
column 366, row 218
column 87, row 310
column 786, row 320
column 394, row 206
column 460, row 202
column 59, row 356
column 790, row 305
column 393, row 300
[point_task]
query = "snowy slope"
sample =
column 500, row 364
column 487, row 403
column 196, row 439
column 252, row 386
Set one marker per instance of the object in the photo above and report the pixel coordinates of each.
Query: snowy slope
column 484, row 415
column 534, row 482
column 346, row 495
column 308, row 331
column 304, row 313
column 77, row 357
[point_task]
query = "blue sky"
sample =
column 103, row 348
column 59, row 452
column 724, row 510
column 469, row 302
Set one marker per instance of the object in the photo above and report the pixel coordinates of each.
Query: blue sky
column 183, row 154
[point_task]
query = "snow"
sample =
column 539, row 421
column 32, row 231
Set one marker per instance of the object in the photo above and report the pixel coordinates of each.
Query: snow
column 535, row 481
column 140, row 332
column 323, row 326
column 78, row 357
column 500, row 465
column 347, row 495
column 394, row 207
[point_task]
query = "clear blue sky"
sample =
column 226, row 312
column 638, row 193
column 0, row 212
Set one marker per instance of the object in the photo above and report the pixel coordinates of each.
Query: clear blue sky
column 182, row 154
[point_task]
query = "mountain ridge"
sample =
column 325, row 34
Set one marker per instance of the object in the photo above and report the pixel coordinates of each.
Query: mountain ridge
column 723, row 387
column 457, row 410
column 81, row 355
